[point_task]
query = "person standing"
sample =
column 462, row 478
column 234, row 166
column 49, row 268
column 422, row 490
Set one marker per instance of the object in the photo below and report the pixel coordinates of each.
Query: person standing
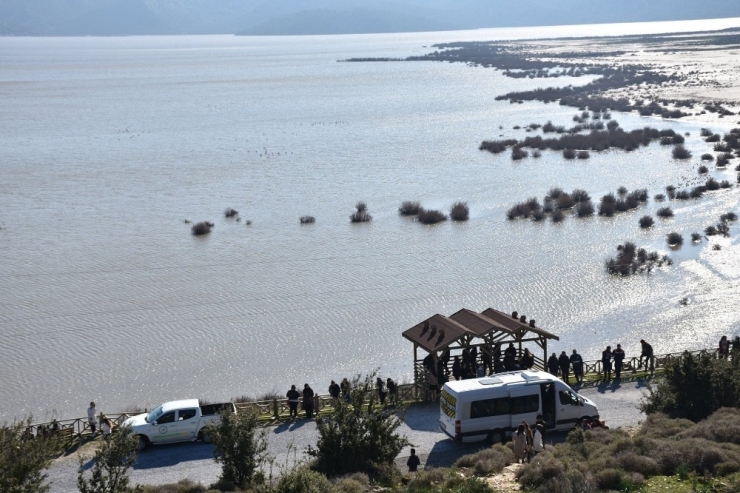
column 380, row 387
column 346, row 390
column 618, row 358
column 308, row 400
column 456, row 368
column 486, row 360
column 553, row 364
column 392, row 390
column 106, row 427
column 293, row 397
column 576, row 362
column 334, row 390
column 647, row 353
column 480, row 372
column 724, row 347
column 606, row 362
column 564, row 362
column 539, row 439
column 519, row 444
column 433, row 383
column 413, row 462
column 527, row 360
column 92, row 420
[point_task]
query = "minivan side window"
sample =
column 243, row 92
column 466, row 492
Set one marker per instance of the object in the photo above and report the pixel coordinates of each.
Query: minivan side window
column 525, row 404
column 567, row 398
column 489, row 407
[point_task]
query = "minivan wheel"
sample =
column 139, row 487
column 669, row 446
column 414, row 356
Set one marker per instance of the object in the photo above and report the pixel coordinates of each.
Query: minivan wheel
column 496, row 436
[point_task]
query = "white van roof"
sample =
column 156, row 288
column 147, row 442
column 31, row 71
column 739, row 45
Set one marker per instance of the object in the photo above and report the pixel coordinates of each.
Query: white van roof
column 501, row 380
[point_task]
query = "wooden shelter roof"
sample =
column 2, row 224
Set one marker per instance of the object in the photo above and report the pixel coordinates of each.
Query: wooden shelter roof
column 442, row 331
column 515, row 324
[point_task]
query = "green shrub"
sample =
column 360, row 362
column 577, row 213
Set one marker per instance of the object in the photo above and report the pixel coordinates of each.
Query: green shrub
column 239, row 447
column 111, row 464
column 357, row 437
column 23, row 458
column 304, row 480
column 488, row 460
column 609, row 479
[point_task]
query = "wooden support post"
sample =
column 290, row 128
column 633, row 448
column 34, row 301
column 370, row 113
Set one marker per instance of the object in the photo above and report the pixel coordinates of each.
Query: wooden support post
column 275, row 409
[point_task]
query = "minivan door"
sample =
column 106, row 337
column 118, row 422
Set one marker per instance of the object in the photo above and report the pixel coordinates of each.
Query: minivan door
column 569, row 406
column 524, row 404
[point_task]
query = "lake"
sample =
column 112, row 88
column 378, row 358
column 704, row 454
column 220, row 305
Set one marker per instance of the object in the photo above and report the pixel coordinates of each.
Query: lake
column 110, row 144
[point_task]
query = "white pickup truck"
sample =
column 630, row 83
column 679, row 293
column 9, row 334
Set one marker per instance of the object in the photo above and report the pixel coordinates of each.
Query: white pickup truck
column 176, row 421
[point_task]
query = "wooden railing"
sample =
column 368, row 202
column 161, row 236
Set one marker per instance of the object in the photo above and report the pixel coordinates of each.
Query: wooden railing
column 270, row 411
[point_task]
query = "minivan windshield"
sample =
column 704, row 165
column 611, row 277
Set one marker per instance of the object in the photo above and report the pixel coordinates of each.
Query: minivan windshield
column 154, row 415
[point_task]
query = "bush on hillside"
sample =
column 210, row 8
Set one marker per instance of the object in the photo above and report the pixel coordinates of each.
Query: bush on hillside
column 24, row 458
column 239, row 447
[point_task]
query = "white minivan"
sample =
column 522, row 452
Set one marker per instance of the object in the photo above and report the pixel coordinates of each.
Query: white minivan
column 490, row 408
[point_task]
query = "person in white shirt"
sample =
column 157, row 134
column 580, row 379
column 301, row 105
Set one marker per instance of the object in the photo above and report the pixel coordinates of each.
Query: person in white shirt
column 91, row 419
column 539, row 443
column 106, row 427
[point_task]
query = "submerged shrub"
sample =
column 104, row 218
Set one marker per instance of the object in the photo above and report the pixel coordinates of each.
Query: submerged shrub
column 557, row 216
column 659, row 197
column 707, row 157
column 680, row 152
column 201, row 228
column 426, row 216
column 664, row 212
column 361, row 215
column 231, row 212
column 695, row 237
column 555, row 192
column 674, row 239
column 583, row 155
column 459, row 211
column 569, row 154
column 565, row 201
column 580, row 195
column 517, row 153
column 646, row 222
column 703, row 170
column 409, row 208
column 585, row 209
column 307, row 219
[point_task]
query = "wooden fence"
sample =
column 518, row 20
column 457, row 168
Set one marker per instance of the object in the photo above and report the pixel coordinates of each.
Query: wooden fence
column 277, row 410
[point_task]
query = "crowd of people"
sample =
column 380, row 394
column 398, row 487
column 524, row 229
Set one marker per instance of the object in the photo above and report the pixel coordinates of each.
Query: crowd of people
column 386, row 390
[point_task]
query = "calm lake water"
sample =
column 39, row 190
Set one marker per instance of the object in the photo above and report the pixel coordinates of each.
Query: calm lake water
column 108, row 145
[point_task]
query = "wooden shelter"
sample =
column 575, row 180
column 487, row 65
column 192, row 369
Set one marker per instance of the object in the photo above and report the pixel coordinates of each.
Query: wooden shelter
column 487, row 331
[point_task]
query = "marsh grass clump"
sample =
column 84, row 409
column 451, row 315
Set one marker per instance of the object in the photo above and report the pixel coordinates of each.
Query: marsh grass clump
column 201, row 228
column 430, row 216
column 697, row 192
column 695, row 237
column 682, row 195
column 517, row 153
column 725, row 184
column 712, row 138
column 712, row 184
column 583, row 155
column 230, row 213
column 659, row 197
column 496, row 146
column 307, row 219
column 671, row 191
column 640, row 195
column 680, row 152
column 557, row 216
column 646, row 222
column 631, row 260
column 538, row 215
column 664, row 212
column 409, row 208
column 674, row 239
column 585, row 209
column 621, row 191
column 524, row 209
column 607, row 207
column 459, row 211
column 554, row 193
column 580, row 195
column 569, row 153
column 565, row 201
column 360, row 215
column 707, row 157
column 728, row 217
column 703, row 170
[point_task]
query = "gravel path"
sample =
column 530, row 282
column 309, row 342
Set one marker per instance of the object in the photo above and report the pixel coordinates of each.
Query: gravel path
column 171, row 463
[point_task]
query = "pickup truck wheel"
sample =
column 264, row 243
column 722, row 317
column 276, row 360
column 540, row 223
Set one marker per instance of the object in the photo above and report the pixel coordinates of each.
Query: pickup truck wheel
column 203, row 437
column 142, row 444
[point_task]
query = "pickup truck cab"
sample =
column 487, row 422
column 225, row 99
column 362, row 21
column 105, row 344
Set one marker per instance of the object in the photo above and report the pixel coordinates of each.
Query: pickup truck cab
column 176, row 421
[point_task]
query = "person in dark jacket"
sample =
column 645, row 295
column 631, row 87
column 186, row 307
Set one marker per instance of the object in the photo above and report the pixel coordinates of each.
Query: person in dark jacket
column 392, row 390
column 308, row 400
column 413, row 462
column 293, row 397
column 647, row 353
column 380, row 387
column 618, row 355
column 334, row 390
column 576, row 362
column 486, row 361
column 527, row 360
column 553, row 364
column 606, row 362
column 565, row 366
